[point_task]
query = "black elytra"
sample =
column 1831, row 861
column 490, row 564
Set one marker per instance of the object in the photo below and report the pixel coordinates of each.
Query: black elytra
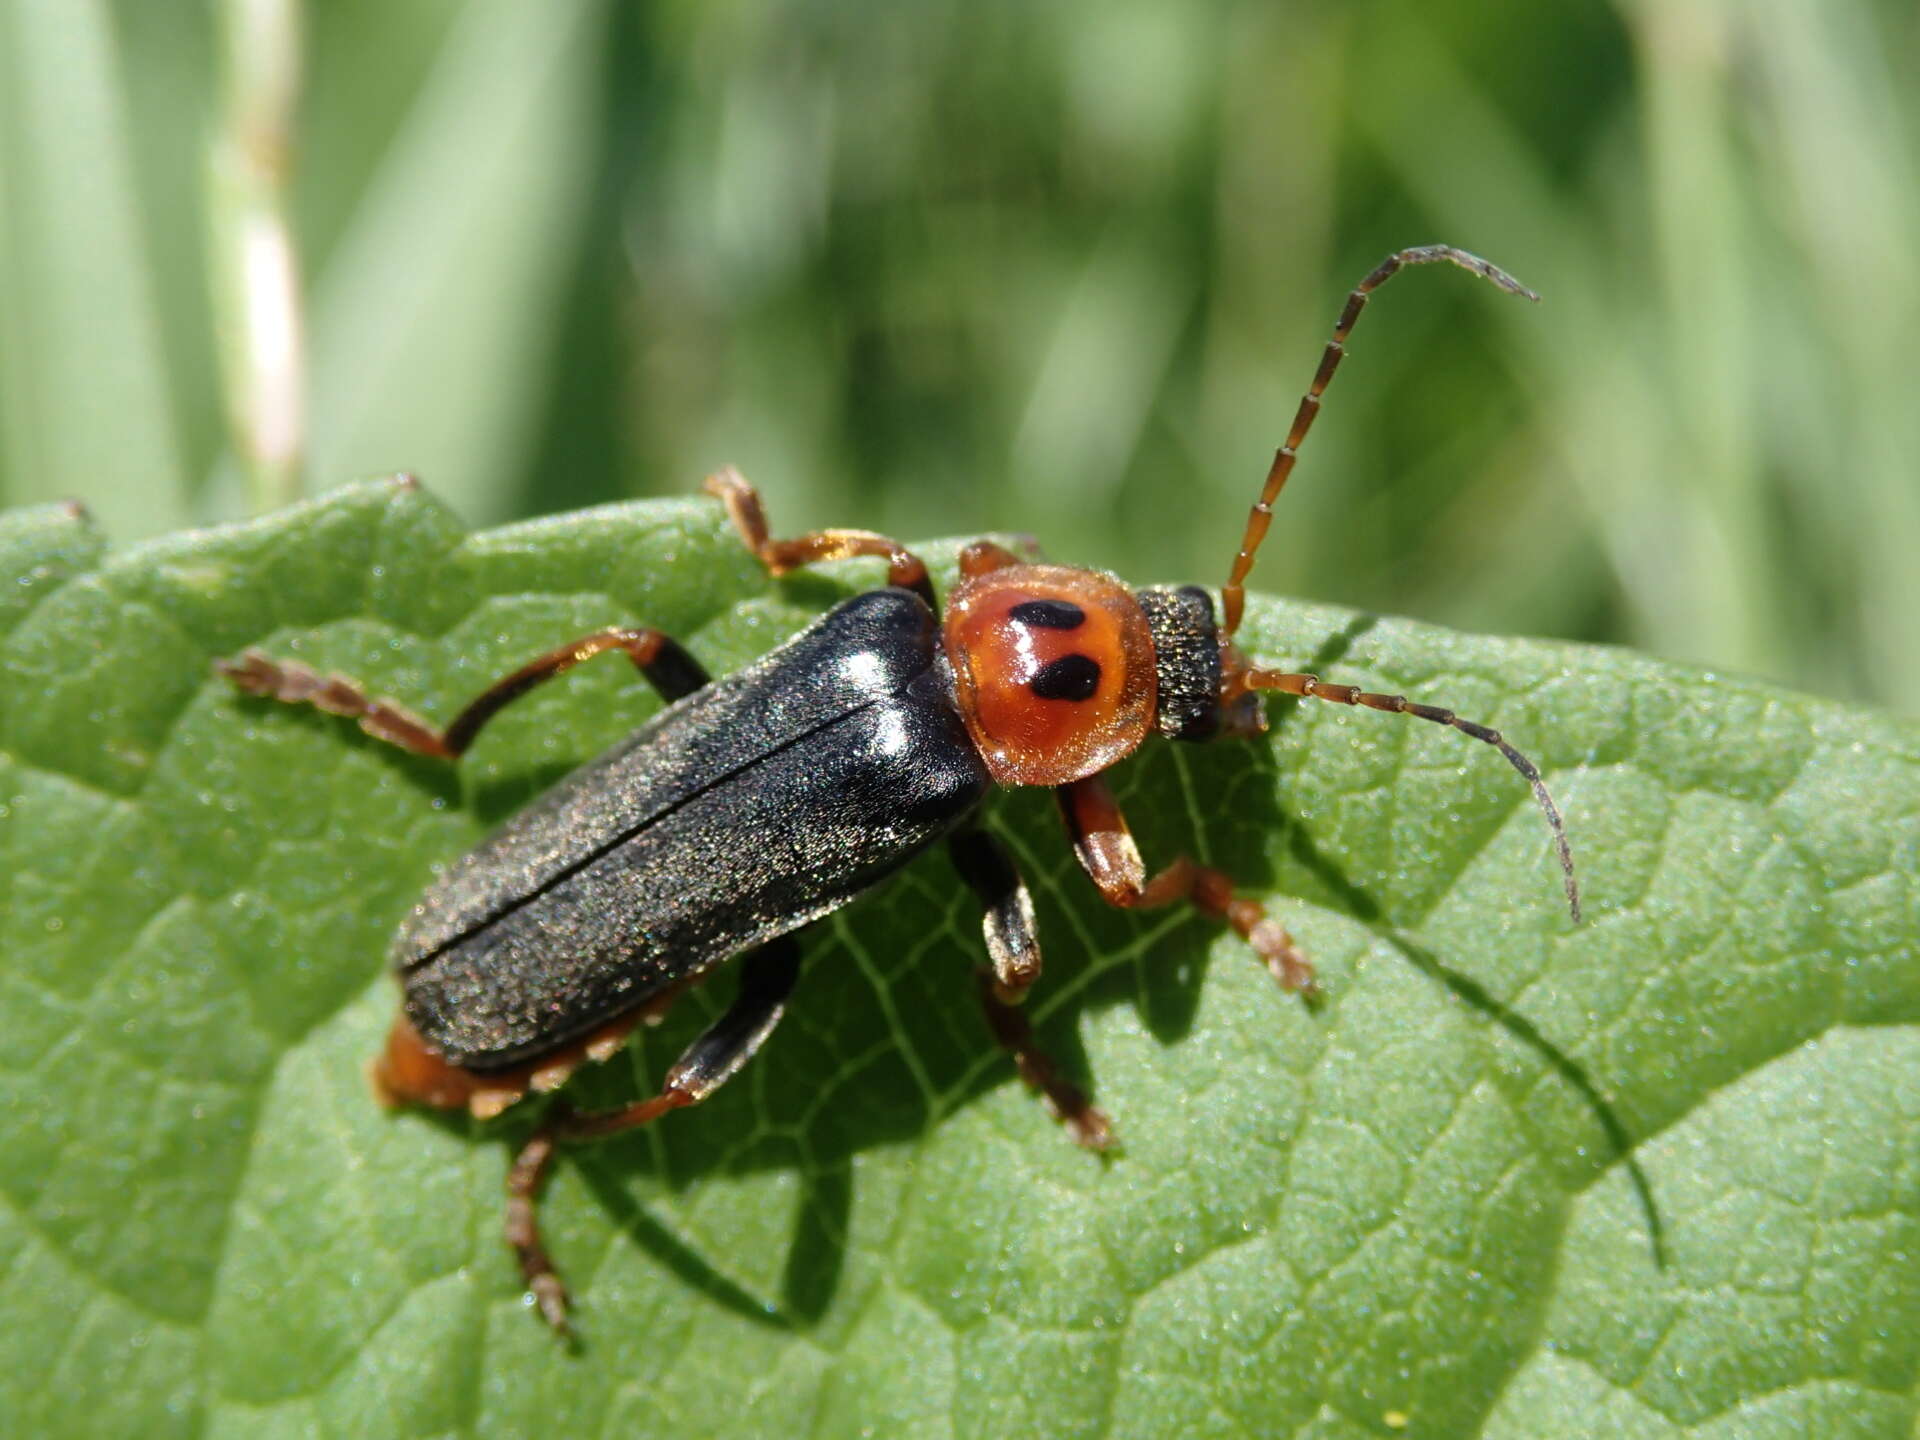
column 754, row 804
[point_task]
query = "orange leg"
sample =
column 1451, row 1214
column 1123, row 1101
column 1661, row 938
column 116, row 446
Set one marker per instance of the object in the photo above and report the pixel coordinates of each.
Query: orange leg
column 983, row 557
column 1086, row 1123
column 670, row 669
column 1007, row 924
column 904, row 568
column 1106, row 850
column 767, row 979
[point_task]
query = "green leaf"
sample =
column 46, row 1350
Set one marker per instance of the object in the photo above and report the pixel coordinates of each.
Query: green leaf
column 1657, row 1174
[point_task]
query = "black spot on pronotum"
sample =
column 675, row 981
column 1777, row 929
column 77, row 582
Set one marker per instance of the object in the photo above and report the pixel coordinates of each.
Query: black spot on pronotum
column 1071, row 677
column 1049, row 614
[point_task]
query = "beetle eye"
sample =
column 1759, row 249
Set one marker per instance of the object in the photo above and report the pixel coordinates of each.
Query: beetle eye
column 1071, row 677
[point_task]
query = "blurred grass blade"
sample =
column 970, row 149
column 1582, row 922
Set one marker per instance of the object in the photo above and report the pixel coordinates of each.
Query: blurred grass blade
column 1711, row 310
column 257, row 281
column 1844, row 167
column 441, row 297
column 84, row 407
column 1106, row 357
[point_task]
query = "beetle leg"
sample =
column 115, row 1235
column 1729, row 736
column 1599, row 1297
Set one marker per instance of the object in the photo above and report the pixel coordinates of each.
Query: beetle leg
column 1007, row 919
column 660, row 658
column 766, row 980
column 984, row 864
column 1105, row 849
column 1086, row 1123
column 983, row 557
column 524, row 1179
column 904, row 568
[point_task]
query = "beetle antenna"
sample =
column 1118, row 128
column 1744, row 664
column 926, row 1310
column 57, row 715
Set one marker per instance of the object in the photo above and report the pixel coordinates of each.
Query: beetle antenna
column 1233, row 595
column 1313, row 688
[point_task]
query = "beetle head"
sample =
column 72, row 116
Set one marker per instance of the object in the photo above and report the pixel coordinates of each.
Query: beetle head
column 1192, row 667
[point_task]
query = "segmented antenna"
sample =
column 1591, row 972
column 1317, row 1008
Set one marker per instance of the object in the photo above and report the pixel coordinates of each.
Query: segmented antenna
column 1313, row 688
column 1233, row 596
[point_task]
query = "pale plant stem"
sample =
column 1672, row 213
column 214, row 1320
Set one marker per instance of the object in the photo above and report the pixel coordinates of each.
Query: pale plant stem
column 256, row 282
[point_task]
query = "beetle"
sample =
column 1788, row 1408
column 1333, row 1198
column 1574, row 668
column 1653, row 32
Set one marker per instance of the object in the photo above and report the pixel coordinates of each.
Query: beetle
column 757, row 803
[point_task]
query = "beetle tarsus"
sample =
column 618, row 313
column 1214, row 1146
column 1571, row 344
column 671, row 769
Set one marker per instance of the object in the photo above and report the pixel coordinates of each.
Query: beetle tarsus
column 1085, row 1122
column 292, row 683
column 658, row 656
column 1280, row 952
column 749, row 517
column 524, row 1179
column 1105, row 848
column 528, row 1174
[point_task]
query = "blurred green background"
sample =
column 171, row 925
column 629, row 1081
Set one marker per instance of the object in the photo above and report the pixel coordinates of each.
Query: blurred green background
column 937, row 268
